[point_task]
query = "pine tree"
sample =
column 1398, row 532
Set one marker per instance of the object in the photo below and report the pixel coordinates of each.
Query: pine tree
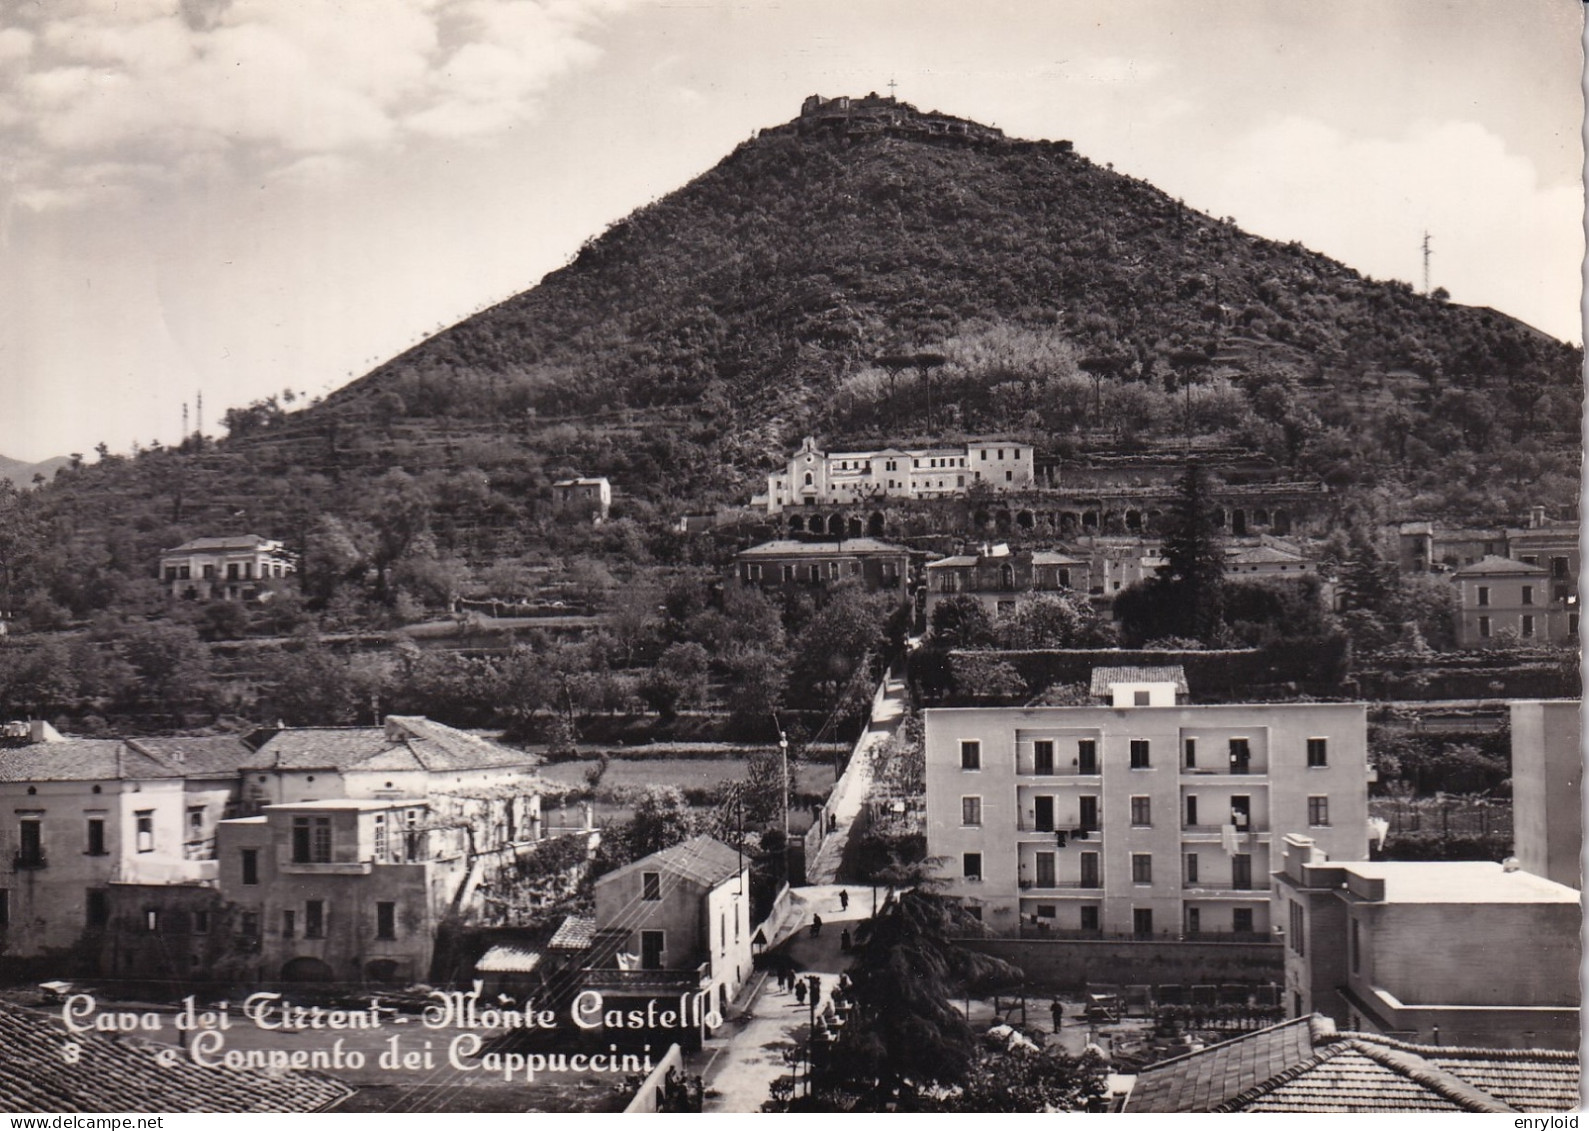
column 1193, row 573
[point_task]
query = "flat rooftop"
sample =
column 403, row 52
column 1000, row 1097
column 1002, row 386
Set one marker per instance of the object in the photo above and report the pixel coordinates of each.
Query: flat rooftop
column 1458, row 881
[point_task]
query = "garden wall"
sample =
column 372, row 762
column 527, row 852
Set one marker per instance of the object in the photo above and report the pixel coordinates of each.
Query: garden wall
column 1075, row 964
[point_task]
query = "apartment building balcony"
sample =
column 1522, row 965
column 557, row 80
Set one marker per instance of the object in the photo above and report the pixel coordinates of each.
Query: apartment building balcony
column 1060, row 887
column 1245, row 771
column 28, row 861
column 1214, row 832
column 166, row 872
column 1029, row 831
column 326, row 868
column 1070, row 774
column 1223, row 889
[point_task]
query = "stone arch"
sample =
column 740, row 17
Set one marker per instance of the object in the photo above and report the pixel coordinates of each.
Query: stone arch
column 836, row 524
column 874, row 525
column 797, row 524
column 1002, row 521
column 1069, row 521
column 1224, row 519
column 1260, row 516
column 1089, row 520
column 381, row 970
column 1238, row 522
column 1025, row 520
column 856, row 527
column 1280, row 523
column 1134, row 521
column 307, row 970
column 982, row 519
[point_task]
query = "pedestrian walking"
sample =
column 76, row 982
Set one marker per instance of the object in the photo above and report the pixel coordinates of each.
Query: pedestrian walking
column 1057, row 1011
column 800, row 992
column 844, row 900
column 844, row 941
column 816, row 925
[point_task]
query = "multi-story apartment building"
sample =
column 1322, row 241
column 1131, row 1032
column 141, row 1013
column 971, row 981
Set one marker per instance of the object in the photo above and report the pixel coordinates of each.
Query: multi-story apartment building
column 1144, row 817
column 1455, row 952
column 813, row 477
column 1501, row 599
column 236, row 569
column 1001, row 581
column 1547, row 788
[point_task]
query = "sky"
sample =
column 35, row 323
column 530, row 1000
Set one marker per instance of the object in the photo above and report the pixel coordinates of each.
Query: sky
column 239, row 197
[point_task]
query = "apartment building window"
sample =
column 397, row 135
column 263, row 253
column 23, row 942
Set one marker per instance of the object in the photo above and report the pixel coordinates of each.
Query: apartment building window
column 1087, row 756
column 250, row 865
column 248, row 926
column 971, row 865
column 1142, row 811
column 1043, row 756
column 289, row 923
column 1484, row 595
column 1318, row 811
column 1318, row 752
column 196, row 823
column 1191, row 869
column 1142, row 920
column 1045, row 869
column 5, row 907
column 201, row 922
column 1528, row 625
column 1241, row 871
column 1141, row 698
column 1191, row 810
column 1141, row 867
column 971, row 755
column 145, row 825
column 1241, row 920
column 971, row 810
column 1140, row 756
column 231, row 571
column 1089, row 870
column 386, row 920
column 1354, row 946
column 1298, row 938
column 1191, row 753
column 651, row 886
column 382, row 838
column 97, row 905
column 1484, row 627
column 314, row 919
column 1528, row 594
column 1087, row 806
column 1240, row 756
column 1089, row 917
column 151, row 919
column 96, row 836
column 311, row 840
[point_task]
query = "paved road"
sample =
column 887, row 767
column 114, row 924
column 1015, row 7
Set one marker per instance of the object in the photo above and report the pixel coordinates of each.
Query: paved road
column 742, row 1064
column 886, row 717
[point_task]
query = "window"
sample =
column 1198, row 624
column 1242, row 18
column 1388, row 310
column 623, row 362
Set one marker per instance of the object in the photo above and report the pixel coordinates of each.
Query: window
column 289, row 923
column 98, row 907
column 1088, row 811
column 1045, row 869
column 196, row 822
column 30, row 843
column 250, row 865
column 151, row 919
column 248, row 925
column 1318, row 811
column 311, row 840
column 96, row 836
column 971, row 810
column 1142, row 811
column 1528, row 625
column 651, row 886
column 1089, row 870
column 1139, row 754
column 386, row 920
column 1142, row 920
column 971, row 866
column 1089, row 917
column 1141, row 868
column 1484, row 595
column 1191, row 811
column 1087, row 756
column 971, row 755
column 1194, row 920
column 1318, row 752
column 1191, row 753
column 1043, row 756
column 1354, row 946
column 201, row 922
column 5, row 907
column 1141, row 698
column 314, row 919
column 1241, row 920
column 382, row 841
column 1298, row 937
column 1241, row 871
column 1240, row 756
column 1191, row 869
column 1528, row 594
column 651, row 949
column 1484, row 627
column 145, row 826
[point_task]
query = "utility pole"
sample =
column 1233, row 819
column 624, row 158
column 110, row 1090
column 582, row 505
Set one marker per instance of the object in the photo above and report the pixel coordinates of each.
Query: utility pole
column 1426, row 263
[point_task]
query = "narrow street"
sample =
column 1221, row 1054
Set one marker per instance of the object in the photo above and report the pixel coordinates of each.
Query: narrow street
column 886, row 718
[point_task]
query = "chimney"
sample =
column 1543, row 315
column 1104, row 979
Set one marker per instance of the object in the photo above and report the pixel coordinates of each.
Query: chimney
column 1536, row 517
column 41, row 731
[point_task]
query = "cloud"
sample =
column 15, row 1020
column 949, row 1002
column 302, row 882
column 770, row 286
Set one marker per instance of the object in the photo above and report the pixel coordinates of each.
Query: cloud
column 90, row 87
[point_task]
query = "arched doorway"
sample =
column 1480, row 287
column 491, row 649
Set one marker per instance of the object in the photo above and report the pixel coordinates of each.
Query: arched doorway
column 855, row 528
column 797, row 524
column 874, row 525
column 1002, row 521
column 1238, row 522
column 1281, row 523
column 1025, row 520
column 836, row 525
column 307, row 970
column 1134, row 521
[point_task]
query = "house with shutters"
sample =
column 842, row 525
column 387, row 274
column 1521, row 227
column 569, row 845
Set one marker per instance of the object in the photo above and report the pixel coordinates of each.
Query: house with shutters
column 1002, row 581
column 1501, row 599
column 239, row 568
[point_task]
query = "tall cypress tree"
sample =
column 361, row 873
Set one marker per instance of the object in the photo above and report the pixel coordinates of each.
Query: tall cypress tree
column 1192, row 578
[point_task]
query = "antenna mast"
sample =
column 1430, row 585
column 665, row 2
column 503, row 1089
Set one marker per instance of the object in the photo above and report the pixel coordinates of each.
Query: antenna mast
column 201, row 416
column 1426, row 263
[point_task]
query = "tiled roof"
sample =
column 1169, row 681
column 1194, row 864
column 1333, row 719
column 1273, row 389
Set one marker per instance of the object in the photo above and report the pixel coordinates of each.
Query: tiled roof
column 234, row 542
column 703, row 859
column 323, row 748
column 406, row 742
column 788, row 548
column 82, row 759
column 124, row 1075
column 1491, row 564
column 1104, row 678
column 441, row 747
column 1263, row 555
column 1307, row 1066
column 216, row 754
column 577, row 932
